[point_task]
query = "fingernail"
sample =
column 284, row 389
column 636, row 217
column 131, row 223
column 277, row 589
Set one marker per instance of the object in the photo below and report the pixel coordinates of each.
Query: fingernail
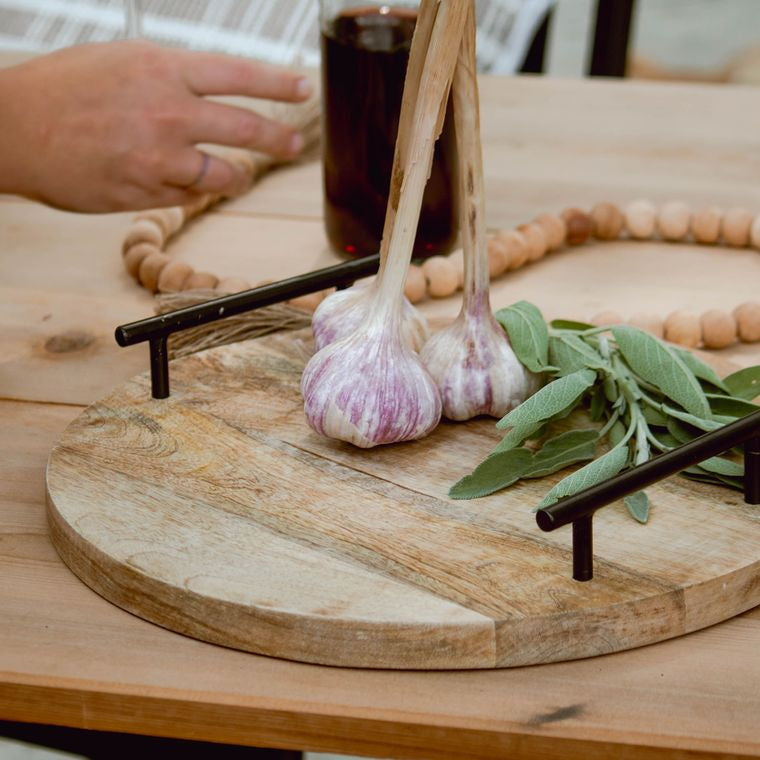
column 303, row 88
column 296, row 143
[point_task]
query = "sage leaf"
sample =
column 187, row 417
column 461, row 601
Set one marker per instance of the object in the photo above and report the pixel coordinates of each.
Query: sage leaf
column 594, row 472
column 680, row 432
column 596, row 410
column 655, row 416
column 569, row 353
column 617, row 433
column 722, row 466
column 494, row 473
column 563, row 450
column 611, row 392
column 666, row 440
column 638, row 506
column 527, row 333
column 730, row 406
column 745, row 383
column 692, row 419
column 700, row 369
column 702, row 476
column 659, row 365
column 556, row 398
column 570, row 324
column 503, row 469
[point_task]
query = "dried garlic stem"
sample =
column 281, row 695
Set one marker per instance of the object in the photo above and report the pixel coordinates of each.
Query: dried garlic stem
column 415, row 157
column 341, row 313
column 471, row 361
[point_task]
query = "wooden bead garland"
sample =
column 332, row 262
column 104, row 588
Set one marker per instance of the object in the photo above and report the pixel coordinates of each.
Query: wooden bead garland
column 441, row 276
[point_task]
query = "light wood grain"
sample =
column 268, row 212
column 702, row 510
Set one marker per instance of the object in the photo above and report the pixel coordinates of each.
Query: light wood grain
column 69, row 657
column 218, row 513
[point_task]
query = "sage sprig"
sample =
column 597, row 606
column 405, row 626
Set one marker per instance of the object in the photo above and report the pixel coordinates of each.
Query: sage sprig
column 645, row 396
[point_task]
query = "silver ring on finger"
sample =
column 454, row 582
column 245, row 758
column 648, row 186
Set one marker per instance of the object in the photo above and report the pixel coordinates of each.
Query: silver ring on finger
column 201, row 172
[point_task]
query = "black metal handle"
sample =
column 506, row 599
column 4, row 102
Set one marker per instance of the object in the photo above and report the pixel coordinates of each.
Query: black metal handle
column 156, row 330
column 579, row 508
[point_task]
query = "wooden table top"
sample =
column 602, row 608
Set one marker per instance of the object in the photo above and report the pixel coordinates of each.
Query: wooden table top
column 68, row 657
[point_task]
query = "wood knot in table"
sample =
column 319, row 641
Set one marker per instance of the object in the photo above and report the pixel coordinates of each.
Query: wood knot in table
column 68, row 341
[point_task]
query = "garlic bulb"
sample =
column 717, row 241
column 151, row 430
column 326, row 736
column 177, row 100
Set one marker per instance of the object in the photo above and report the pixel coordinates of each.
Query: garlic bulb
column 343, row 311
column 475, row 368
column 471, row 360
column 370, row 387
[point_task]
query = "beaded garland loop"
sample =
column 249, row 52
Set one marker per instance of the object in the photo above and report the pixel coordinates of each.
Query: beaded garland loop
column 145, row 258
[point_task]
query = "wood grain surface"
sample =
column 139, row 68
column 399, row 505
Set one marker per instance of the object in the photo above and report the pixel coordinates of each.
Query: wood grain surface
column 218, row 513
column 69, row 657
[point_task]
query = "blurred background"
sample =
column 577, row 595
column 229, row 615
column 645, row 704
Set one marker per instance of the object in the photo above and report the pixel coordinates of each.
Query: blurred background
column 704, row 40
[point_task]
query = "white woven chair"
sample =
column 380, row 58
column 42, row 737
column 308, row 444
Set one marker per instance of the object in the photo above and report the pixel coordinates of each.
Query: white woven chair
column 280, row 31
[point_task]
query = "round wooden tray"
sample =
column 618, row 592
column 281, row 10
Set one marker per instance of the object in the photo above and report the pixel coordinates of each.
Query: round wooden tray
column 219, row 514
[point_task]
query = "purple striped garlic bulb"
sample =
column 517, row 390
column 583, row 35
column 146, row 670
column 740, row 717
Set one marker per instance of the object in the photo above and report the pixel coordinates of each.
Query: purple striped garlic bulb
column 369, row 389
column 342, row 312
column 471, row 361
column 475, row 369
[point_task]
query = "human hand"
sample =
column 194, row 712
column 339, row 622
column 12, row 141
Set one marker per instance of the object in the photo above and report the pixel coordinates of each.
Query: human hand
column 114, row 126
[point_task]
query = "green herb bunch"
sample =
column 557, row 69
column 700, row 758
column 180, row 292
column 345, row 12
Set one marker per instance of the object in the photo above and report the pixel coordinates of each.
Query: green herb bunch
column 643, row 396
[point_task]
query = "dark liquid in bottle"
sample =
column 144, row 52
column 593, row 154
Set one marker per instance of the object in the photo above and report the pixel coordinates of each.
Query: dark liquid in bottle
column 365, row 53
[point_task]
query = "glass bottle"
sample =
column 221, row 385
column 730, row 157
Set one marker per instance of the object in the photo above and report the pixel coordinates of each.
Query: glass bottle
column 365, row 49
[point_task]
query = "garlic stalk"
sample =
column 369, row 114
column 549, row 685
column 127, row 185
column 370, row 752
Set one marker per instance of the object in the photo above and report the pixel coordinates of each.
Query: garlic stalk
column 471, row 361
column 370, row 387
column 342, row 312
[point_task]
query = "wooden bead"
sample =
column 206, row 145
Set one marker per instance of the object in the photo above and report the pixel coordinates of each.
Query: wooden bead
column 684, row 328
column 718, row 329
column 309, row 302
column 579, row 226
column 135, row 254
column 173, row 275
column 673, row 220
column 705, row 225
column 197, row 206
column 174, row 218
column 648, row 322
column 232, row 285
column 640, row 217
column 535, row 237
column 153, row 215
column 754, row 232
column 457, row 259
column 441, row 276
column 606, row 318
column 150, row 269
column 516, row 246
column 747, row 316
column 606, row 221
column 144, row 231
column 554, row 228
column 736, row 226
column 415, row 288
column 200, row 281
column 498, row 258
column 168, row 219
